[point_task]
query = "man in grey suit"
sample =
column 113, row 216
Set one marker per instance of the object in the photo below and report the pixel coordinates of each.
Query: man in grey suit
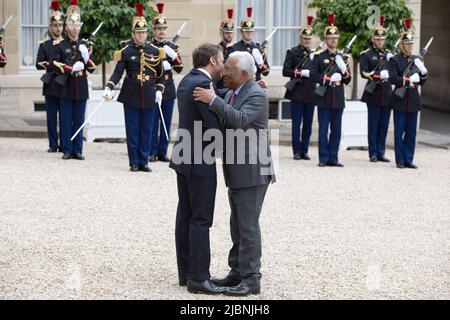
column 248, row 167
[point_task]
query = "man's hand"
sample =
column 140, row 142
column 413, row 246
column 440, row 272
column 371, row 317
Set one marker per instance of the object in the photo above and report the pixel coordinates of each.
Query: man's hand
column 415, row 78
column 158, row 97
column 167, row 66
column 107, row 94
column 336, row 77
column 170, row 52
column 341, row 64
column 258, row 57
column 384, row 74
column 84, row 52
column 78, row 66
column 204, row 95
column 389, row 56
column 419, row 64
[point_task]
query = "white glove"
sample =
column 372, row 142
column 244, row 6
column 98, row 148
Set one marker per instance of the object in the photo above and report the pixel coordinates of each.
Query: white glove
column 415, row 78
column 107, row 94
column 389, row 56
column 78, row 66
column 384, row 74
column 84, row 52
column 167, row 66
column 305, row 73
column 1, row 50
column 311, row 56
column 158, row 97
column 170, row 52
column 341, row 64
column 419, row 64
column 336, row 77
column 258, row 57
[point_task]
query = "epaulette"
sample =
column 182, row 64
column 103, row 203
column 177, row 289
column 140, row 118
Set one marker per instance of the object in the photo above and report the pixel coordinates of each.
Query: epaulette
column 316, row 53
column 162, row 53
column 56, row 42
column 365, row 51
column 118, row 54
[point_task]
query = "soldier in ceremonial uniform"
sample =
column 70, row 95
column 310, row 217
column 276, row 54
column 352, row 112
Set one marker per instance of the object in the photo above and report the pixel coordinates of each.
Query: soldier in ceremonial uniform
column 142, row 89
column 227, row 34
column 171, row 62
column 51, row 89
column 71, row 60
column 330, row 70
column 300, row 90
column 3, row 60
column 407, row 72
column 247, row 44
column 377, row 94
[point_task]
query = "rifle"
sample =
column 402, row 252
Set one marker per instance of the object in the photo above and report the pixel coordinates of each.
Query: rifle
column 290, row 85
column 3, row 28
column 177, row 35
column 266, row 42
column 411, row 69
column 332, row 67
column 372, row 85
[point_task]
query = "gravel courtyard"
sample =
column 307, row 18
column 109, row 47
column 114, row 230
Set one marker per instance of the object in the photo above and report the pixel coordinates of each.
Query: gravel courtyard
column 93, row 230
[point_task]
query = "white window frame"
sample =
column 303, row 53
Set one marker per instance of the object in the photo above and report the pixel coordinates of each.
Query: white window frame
column 22, row 67
column 269, row 27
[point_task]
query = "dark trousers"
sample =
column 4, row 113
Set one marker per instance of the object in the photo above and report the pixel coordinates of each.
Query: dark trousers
column 245, row 255
column 72, row 114
column 138, row 127
column 405, row 130
column 52, row 110
column 378, row 124
column 330, row 121
column 301, row 111
column 196, row 200
column 160, row 144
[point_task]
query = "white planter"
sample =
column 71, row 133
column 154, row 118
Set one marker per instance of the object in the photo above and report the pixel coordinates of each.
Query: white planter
column 108, row 122
column 354, row 125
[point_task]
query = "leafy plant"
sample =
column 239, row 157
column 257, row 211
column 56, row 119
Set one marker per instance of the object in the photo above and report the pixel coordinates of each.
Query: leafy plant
column 351, row 17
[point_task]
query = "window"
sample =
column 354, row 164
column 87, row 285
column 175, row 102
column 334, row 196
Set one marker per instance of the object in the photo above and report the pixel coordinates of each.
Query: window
column 34, row 27
column 284, row 15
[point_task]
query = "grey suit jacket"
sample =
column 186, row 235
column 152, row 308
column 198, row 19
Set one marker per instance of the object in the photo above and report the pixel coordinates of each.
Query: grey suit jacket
column 246, row 164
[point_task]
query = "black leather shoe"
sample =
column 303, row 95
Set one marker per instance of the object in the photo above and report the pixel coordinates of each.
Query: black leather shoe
column 66, row 156
column 134, row 168
column 163, row 158
column 245, row 288
column 228, row 281
column 145, row 168
column 52, row 150
column 204, row 287
column 373, row 159
column 411, row 166
column 383, row 159
column 78, row 156
column 336, row 164
column 182, row 281
column 297, row 156
column 305, row 157
column 401, row 166
column 322, row 164
column 153, row 159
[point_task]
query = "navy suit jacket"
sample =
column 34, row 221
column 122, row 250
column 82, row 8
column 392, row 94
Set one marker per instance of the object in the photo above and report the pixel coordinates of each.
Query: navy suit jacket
column 191, row 111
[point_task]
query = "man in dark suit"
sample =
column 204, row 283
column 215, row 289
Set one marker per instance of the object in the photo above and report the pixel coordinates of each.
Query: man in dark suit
column 196, row 177
column 248, row 168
